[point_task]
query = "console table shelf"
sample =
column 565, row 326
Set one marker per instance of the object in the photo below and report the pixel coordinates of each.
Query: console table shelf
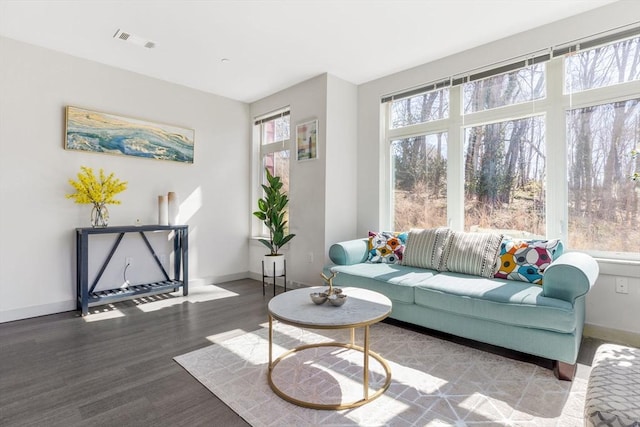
column 88, row 297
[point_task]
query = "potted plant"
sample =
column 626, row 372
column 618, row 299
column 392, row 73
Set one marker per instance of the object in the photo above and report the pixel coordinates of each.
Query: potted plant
column 272, row 211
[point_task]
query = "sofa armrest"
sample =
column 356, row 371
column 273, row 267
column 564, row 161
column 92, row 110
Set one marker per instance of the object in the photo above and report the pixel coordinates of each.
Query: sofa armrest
column 570, row 276
column 349, row 252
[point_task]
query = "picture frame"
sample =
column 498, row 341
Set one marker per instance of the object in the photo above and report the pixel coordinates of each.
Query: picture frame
column 307, row 140
column 99, row 132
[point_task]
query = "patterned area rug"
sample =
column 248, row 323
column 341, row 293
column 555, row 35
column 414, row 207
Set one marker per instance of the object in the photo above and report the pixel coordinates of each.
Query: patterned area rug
column 434, row 382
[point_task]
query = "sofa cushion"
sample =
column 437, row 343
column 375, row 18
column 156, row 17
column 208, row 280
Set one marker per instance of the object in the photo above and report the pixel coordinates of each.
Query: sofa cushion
column 498, row 300
column 386, row 247
column 471, row 253
column 526, row 260
column 393, row 280
column 424, row 248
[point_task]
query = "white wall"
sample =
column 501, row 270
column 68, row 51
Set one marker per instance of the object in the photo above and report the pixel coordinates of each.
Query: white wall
column 37, row 249
column 605, row 308
column 315, row 185
column 341, row 185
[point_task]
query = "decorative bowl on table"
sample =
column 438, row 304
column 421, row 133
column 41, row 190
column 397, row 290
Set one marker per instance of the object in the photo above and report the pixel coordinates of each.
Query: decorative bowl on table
column 318, row 297
column 337, row 299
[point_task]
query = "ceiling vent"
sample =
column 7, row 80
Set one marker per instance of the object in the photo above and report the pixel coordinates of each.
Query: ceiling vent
column 132, row 38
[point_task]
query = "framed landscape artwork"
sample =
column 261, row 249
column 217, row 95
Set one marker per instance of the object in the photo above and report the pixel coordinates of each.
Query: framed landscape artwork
column 98, row 132
column 307, row 140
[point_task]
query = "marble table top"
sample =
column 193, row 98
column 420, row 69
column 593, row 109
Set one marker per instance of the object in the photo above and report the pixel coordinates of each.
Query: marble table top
column 363, row 307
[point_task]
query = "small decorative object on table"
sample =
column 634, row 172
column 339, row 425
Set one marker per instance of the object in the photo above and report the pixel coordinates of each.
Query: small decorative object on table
column 96, row 191
column 318, row 297
column 333, row 295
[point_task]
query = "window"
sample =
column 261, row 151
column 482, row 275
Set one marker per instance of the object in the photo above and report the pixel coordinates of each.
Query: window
column 421, row 108
column 420, row 181
column 523, row 85
column 603, row 66
column 603, row 203
column 273, row 132
column 543, row 147
column 418, row 158
column 504, row 176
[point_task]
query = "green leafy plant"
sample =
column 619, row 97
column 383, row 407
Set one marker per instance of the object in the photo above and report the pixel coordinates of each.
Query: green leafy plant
column 272, row 211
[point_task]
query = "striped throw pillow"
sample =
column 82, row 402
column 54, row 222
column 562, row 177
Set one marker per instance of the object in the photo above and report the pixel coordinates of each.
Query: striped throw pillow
column 425, row 247
column 472, row 253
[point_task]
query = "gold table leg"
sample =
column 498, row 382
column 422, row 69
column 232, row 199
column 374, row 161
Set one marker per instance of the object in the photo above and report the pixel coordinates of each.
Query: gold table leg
column 335, row 406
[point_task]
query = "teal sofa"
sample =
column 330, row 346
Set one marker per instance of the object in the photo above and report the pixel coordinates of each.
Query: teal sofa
column 545, row 321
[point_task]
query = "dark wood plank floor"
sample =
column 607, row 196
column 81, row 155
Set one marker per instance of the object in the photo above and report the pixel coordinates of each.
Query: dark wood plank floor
column 62, row 370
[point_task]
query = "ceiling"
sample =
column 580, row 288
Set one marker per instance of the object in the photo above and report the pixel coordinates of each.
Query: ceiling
column 273, row 44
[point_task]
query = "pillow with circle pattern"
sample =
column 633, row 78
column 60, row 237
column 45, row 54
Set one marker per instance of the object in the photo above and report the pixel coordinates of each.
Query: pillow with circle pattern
column 526, row 260
column 386, row 247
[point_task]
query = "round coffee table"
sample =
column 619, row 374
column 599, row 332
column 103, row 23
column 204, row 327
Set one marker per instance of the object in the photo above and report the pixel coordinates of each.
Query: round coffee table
column 362, row 309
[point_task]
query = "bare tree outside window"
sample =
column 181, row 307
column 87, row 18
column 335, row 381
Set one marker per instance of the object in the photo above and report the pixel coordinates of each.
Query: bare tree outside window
column 516, row 87
column 504, row 176
column 420, row 181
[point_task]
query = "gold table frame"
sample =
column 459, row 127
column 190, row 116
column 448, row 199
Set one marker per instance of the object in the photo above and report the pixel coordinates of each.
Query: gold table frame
column 365, row 349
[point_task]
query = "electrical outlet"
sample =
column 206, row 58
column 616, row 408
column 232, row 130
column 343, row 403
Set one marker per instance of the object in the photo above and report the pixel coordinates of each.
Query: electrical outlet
column 128, row 261
column 310, row 258
column 622, row 285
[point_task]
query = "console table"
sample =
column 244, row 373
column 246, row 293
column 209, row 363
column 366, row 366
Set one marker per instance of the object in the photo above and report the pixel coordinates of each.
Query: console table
column 87, row 296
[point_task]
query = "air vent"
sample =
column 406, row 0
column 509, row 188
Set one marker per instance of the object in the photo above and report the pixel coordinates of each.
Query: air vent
column 132, row 38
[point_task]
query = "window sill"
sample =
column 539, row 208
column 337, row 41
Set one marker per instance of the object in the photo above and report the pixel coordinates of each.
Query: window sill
column 619, row 267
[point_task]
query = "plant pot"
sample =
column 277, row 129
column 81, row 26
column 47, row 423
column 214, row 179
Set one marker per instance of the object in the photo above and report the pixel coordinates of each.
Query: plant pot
column 269, row 261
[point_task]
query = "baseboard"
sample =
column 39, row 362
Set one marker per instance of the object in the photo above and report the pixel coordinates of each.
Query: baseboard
column 616, row 336
column 70, row 305
column 211, row 280
column 290, row 283
column 36, row 311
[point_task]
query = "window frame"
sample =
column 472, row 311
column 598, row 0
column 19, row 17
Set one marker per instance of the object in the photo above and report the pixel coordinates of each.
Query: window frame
column 260, row 151
column 554, row 107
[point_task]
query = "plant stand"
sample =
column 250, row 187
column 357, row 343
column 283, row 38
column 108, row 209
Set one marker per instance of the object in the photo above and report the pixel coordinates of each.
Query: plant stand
column 265, row 276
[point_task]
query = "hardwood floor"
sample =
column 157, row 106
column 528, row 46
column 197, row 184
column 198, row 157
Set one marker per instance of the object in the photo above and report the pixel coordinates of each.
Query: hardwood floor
column 62, row 370
column 115, row 367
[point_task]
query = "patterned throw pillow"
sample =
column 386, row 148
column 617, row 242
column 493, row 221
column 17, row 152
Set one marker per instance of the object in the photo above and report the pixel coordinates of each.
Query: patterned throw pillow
column 526, row 260
column 386, row 247
column 471, row 253
column 425, row 247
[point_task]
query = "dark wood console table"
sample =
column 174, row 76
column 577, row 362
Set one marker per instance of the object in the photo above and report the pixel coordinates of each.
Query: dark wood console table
column 88, row 297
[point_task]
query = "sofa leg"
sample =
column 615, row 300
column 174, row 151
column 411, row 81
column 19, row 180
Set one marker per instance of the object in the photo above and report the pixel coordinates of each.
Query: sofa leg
column 564, row 371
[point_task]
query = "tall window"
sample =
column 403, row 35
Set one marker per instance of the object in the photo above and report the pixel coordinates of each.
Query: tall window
column 601, row 135
column 419, row 161
column 504, row 176
column 420, row 181
column 487, row 151
column 275, row 141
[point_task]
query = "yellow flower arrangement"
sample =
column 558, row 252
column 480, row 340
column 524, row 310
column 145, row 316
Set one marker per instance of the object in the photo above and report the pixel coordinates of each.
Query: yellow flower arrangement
column 97, row 191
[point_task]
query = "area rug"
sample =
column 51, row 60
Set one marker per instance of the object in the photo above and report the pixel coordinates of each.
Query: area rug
column 434, row 382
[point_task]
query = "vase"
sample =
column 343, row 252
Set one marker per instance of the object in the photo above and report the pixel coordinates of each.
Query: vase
column 173, row 208
column 99, row 215
column 163, row 211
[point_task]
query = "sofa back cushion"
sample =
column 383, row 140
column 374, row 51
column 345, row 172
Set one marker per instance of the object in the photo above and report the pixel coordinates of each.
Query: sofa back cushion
column 526, row 260
column 471, row 253
column 425, row 248
column 386, row 247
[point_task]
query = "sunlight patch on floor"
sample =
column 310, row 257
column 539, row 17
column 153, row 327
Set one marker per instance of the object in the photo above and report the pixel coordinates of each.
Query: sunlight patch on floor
column 198, row 294
column 105, row 312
